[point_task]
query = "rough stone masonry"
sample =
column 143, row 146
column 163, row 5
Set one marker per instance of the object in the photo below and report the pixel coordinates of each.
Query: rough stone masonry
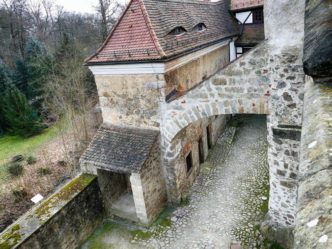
column 267, row 80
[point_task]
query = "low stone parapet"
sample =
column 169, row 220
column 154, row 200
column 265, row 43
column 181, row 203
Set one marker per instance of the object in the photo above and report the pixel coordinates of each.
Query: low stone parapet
column 63, row 220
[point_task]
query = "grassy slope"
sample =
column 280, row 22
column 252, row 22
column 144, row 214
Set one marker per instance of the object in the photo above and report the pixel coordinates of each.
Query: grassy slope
column 13, row 145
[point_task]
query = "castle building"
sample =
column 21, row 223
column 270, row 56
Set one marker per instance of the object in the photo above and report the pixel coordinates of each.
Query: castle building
column 250, row 15
column 157, row 52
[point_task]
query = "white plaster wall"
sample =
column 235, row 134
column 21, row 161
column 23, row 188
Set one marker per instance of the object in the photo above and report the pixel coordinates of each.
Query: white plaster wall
column 284, row 22
column 232, row 51
column 242, row 16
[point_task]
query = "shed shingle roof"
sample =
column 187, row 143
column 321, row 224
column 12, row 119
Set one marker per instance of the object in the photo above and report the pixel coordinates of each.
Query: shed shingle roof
column 120, row 149
column 142, row 33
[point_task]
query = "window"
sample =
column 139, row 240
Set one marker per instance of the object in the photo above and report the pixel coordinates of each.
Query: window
column 242, row 50
column 201, row 150
column 178, row 31
column 189, row 161
column 200, row 27
column 208, row 135
column 258, row 16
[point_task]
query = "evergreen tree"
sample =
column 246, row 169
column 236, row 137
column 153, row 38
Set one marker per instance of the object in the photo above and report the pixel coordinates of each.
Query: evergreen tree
column 21, row 119
column 4, row 84
column 32, row 72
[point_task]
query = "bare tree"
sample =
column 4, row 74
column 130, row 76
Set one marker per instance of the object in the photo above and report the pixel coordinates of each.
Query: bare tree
column 16, row 10
column 107, row 10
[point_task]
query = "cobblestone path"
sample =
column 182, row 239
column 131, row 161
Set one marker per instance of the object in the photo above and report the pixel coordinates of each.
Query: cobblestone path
column 227, row 202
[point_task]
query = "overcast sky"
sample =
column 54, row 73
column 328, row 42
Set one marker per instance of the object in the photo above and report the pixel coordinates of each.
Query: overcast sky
column 82, row 6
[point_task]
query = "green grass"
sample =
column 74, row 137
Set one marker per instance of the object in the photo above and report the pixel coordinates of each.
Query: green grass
column 15, row 145
column 96, row 240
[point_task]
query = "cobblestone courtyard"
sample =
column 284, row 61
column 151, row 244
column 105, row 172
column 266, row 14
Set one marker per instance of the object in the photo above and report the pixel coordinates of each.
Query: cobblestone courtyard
column 226, row 204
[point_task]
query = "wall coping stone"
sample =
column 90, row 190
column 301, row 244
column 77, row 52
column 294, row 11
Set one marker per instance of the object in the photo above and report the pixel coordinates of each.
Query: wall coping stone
column 39, row 215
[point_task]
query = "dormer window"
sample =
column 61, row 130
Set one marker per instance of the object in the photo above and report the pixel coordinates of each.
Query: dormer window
column 200, row 27
column 178, row 31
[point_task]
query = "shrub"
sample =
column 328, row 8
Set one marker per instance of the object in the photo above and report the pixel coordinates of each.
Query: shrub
column 17, row 158
column 62, row 163
column 44, row 171
column 19, row 194
column 31, row 160
column 15, row 169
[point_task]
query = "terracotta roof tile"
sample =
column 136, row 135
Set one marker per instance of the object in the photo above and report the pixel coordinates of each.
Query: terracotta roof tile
column 142, row 33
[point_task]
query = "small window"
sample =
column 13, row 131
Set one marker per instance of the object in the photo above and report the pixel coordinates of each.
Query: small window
column 201, row 150
column 258, row 16
column 189, row 161
column 178, row 31
column 208, row 136
column 200, row 27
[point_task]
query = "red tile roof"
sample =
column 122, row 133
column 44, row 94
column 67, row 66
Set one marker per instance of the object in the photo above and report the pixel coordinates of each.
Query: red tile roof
column 245, row 4
column 142, row 33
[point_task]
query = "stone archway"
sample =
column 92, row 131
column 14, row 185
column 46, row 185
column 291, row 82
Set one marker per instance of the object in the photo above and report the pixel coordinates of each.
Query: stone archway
column 263, row 81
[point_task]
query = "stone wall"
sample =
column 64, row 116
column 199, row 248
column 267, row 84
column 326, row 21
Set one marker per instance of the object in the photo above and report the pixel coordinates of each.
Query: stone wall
column 153, row 184
column 318, row 38
column 313, row 227
column 62, row 221
column 196, row 71
column 284, row 134
column 242, row 87
column 131, row 100
column 267, row 80
column 112, row 186
column 314, row 218
column 178, row 179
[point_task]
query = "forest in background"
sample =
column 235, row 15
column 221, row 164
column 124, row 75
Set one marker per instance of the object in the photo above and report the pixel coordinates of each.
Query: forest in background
column 48, row 97
column 42, row 50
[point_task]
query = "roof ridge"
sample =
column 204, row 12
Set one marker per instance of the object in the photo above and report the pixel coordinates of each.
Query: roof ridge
column 151, row 30
column 192, row 2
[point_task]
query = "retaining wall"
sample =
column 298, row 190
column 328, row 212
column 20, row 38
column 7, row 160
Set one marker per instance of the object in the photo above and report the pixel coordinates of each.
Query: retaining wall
column 63, row 221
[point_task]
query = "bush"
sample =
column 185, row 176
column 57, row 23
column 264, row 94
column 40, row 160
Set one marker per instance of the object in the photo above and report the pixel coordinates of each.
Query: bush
column 15, row 169
column 18, row 158
column 62, row 163
column 19, row 194
column 44, row 171
column 31, row 160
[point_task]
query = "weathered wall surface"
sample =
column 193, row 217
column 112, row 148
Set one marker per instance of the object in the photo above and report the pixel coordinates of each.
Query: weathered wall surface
column 112, row 186
column 267, row 80
column 284, row 22
column 179, row 180
column 218, row 127
column 62, row 221
column 314, row 218
column 196, row 71
column 317, row 59
column 153, row 184
column 242, row 87
column 284, row 133
column 313, row 227
column 131, row 100
column 252, row 34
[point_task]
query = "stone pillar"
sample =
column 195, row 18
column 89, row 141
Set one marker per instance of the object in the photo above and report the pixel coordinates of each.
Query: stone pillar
column 284, row 135
column 138, row 194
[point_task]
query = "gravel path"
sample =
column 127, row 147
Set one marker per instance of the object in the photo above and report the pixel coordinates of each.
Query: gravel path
column 227, row 202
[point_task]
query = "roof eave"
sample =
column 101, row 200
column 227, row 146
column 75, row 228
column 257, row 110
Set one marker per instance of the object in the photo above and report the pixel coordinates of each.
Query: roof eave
column 160, row 60
column 247, row 8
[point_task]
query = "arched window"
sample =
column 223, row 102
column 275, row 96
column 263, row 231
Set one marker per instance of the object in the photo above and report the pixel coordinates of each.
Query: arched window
column 200, row 27
column 178, row 31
